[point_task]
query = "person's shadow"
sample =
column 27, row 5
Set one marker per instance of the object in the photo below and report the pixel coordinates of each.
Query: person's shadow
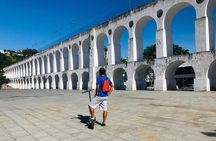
column 85, row 120
column 210, row 134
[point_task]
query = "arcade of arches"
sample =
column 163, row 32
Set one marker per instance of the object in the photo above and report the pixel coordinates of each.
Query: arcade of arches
column 73, row 64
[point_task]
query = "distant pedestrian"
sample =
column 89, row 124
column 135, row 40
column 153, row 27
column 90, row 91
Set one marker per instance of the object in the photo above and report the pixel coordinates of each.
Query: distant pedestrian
column 104, row 87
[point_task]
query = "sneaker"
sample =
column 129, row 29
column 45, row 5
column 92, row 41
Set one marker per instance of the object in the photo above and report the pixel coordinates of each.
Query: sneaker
column 103, row 124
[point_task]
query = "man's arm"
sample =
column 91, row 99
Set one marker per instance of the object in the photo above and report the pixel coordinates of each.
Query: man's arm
column 96, row 91
column 111, row 89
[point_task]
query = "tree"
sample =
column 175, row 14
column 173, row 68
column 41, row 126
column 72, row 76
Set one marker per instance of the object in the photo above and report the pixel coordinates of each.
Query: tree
column 150, row 51
column 177, row 50
column 124, row 60
column 3, row 79
column 29, row 52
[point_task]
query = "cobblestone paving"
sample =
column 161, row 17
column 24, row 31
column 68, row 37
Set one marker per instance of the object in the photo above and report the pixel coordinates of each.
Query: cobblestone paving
column 48, row 115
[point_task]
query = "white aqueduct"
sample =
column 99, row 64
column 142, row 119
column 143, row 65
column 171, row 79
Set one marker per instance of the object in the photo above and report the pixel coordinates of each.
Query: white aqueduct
column 73, row 64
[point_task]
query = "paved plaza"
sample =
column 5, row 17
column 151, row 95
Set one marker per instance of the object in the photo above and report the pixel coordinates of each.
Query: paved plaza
column 55, row 115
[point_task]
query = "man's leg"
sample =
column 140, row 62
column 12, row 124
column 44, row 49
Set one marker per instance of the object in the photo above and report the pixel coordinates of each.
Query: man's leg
column 92, row 112
column 105, row 113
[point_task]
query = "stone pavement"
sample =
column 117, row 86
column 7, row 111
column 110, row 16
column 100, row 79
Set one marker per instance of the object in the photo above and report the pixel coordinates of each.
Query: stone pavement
column 58, row 115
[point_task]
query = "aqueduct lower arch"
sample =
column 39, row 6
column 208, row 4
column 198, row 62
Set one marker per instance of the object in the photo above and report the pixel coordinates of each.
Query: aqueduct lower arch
column 212, row 76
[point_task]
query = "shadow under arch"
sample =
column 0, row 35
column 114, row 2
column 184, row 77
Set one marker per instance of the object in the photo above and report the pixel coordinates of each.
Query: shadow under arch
column 39, row 83
column 119, row 79
column 65, row 81
column 49, row 79
column 57, row 81
column 34, row 83
column 144, row 78
column 85, row 80
column 74, row 80
column 212, row 76
column 179, row 76
column 44, row 82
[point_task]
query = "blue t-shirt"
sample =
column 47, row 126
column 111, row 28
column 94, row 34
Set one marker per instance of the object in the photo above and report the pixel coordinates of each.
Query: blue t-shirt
column 100, row 82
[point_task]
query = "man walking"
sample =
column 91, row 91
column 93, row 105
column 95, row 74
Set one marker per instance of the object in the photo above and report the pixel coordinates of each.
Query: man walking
column 104, row 87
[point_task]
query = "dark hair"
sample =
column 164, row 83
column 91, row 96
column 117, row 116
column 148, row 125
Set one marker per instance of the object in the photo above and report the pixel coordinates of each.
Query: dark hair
column 102, row 71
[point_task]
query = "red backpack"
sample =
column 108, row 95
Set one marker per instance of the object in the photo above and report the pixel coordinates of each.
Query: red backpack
column 106, row 86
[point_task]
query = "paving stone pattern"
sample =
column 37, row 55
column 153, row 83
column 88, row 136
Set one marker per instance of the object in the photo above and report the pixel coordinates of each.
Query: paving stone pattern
column 58, row 115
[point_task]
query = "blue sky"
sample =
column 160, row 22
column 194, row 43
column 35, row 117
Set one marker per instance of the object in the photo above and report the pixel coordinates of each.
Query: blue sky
column 36, row 23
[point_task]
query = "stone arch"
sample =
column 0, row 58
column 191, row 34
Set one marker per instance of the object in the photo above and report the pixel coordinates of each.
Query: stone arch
column 30, row 68
column 176, row 71
column 57, row 80
column 51, row 62
column 212, row 76
column 27, row 83
column 24, row 69
column 85, row 80
column 39, row 82
column 19, row 83
column 36, row 67
column 45, row 63
column 210, row 10
column 44, row 82
column 75, row 54
column 40, row 65
column 139, row 29
column 30, row 80
column 21, row 70
column 66, row 58
column 58, row 61
column 144, row 77
column 49, row 79
column 65, row 81
column 85, row 48
column 101, row 50
column 119, row 79
column 35, row 81
column 169, row 16
column 27, row 69
column 74, row 80
column 117, row 46
column 22, row 83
